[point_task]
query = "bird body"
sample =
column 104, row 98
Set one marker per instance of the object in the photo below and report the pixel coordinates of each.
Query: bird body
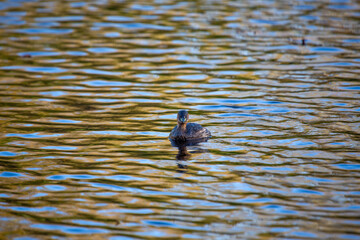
column 185, row 131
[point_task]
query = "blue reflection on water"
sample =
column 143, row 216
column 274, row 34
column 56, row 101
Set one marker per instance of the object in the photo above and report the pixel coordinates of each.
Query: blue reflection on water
column 255, row 200
column 59, row 19
column 76, row 53
column 302, row 143
column 350, row 236
column 279, row 169
column 326, row 49
column 10, row 174
column 44, row 31
column 112, row 34
column 348, row 166
column 337, row 64
column 142, row 7
column 133, row 26
column 36, row 69
column 103, row 83
column 9, row 4
column 7, row 154
column 158, row 134
column 102, row 50
column 54, row 93
column 280, row 209
column 143, row 100
column 341, row 7
column 32, row 135
column 279, row 110
column 306, row 191
column 39, row 53
column 351, row 88
column 69, row 77
column 100, row 72
column 192, row 77
column 59, row 148
column 119, row 18
column 125, row 178
column 127, row 210
column 69, row 229
column 160, row 223
column 304, row 234
column 268, row 22
column 351, row 40
column 239, row 114
column 66, row 176
column 119, row 133
column 78, row 4
column 54, row 187
column 64, row 121
column 316, row 179
column 120, row 238
column 111, row 187
column 34, row 209
column 106, row 100
column 45, row 69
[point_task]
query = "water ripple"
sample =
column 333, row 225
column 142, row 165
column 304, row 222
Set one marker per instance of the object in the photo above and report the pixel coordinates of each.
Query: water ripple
column 89, row 93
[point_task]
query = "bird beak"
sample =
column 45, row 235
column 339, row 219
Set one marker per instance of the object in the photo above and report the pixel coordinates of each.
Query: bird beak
column 183, row 120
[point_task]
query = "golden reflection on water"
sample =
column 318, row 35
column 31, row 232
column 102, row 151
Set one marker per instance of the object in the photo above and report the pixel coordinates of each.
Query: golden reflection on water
column 90, row 91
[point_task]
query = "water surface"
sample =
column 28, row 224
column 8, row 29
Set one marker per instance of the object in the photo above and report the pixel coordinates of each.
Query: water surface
column 90, row 90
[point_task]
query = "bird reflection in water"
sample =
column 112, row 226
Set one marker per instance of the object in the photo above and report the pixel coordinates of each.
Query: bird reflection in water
column 187, row 134
column 183, row 154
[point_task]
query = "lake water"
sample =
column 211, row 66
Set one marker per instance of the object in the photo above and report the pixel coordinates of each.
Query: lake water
column 89, row 92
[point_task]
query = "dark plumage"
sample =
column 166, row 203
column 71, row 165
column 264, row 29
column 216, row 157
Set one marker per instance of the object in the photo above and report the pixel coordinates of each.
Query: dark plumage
column 188, row 131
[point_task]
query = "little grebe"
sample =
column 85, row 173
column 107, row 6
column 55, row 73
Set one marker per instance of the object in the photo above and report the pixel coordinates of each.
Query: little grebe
column 187, row 131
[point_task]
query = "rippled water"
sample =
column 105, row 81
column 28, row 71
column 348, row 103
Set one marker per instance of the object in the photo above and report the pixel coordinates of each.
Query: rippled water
column 90, row 90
